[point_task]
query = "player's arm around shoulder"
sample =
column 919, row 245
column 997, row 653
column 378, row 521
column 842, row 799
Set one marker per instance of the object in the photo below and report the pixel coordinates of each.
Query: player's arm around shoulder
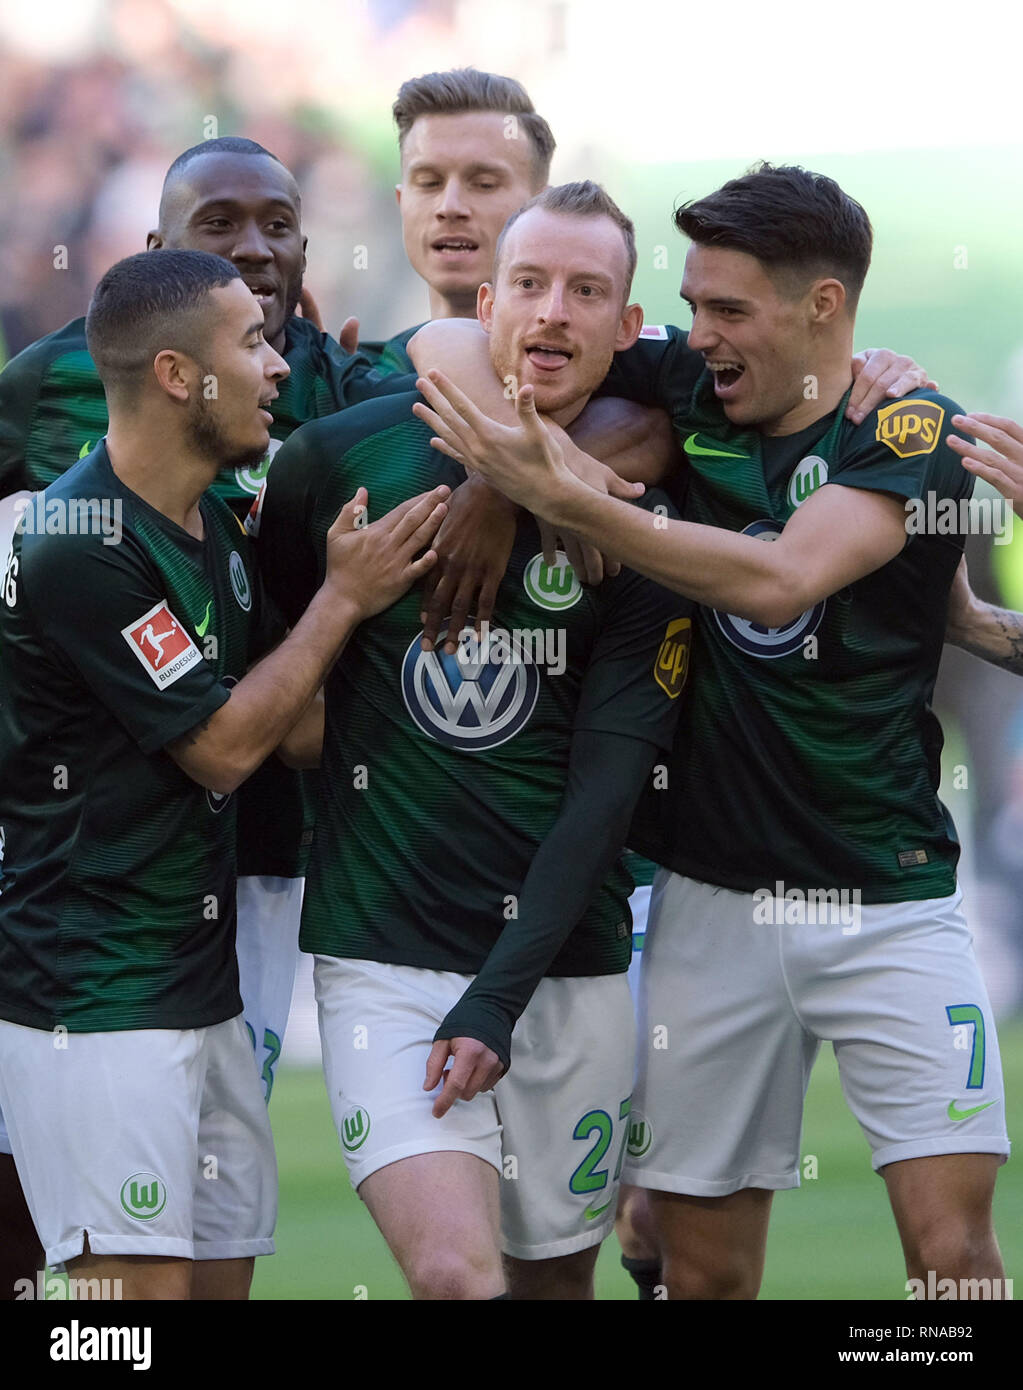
column 876, row 498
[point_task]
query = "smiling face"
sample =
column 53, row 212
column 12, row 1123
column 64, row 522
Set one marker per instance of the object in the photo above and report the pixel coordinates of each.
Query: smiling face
column 246, row 209
column 556, row 314
column 461, row 181
column 231, row 429
column 760, row 343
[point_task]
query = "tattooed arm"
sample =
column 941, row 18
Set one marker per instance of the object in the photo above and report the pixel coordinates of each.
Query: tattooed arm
column 993, row 634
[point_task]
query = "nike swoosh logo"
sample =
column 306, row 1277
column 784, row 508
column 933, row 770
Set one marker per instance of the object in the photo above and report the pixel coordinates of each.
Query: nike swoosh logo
column 86, row 447
column 591, row 1212
column 954, row 1113
column 201, row 627
column 698, row 451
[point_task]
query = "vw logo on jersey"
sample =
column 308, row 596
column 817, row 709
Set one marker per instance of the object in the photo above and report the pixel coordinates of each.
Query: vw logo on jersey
column 251, row 479
column 554, row 587
column 468, row 704
column 754, row 638
column 808, row 475
column 216, row 801
column 240, row 586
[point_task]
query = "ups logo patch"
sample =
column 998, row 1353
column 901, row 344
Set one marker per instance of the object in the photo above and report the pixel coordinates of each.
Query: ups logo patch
column 672, row 664
column 910, row 427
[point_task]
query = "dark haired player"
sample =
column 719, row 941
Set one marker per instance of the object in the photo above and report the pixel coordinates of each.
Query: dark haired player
column 807, row 754
column 231, row 197
column 128, row 718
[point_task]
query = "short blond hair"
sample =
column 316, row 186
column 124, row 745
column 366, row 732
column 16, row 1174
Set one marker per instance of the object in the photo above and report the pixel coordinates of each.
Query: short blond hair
column 584, row 199
column 467, row 89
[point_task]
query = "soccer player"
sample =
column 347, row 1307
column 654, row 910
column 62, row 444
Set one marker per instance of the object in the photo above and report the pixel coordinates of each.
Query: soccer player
column 129, row 617
column 228, row 196
column 455, row 790
column 807, row 757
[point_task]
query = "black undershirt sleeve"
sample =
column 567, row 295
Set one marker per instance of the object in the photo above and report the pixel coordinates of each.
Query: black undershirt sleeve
column 605, row 777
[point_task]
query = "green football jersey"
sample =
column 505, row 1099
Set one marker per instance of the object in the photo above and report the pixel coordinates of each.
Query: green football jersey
column 117, row 876
column 53, row 410
column 442, row 774
column 809, row 755
column 391, row 358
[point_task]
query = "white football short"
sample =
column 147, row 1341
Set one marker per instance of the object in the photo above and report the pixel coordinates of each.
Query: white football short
column 639, row 906
column 555, row 1127
column 269, row 913
column 5, row 1139
column 736, row 1000
column 154, row 1141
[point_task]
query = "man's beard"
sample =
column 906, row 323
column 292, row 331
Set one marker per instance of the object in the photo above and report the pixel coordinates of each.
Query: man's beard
column 293, row 296
column 207, row 437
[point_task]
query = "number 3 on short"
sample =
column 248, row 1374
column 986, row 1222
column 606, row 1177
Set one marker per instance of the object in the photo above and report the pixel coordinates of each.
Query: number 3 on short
column 272, row 1044
column 959, row 1014
column 588, row 1177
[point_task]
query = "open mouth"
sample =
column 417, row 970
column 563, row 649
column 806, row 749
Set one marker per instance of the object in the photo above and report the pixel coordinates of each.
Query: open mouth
column 264, row 407
column 455, row 245
column 263, row 290
column 547, row 356
column 726, row 374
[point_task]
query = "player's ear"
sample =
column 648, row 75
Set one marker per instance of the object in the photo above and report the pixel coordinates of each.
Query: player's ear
column 485, row 305
column 828, row 300
column 305, row 243
column 175, row 373
column 154, row 241
column 629, row 328
column 397, row 195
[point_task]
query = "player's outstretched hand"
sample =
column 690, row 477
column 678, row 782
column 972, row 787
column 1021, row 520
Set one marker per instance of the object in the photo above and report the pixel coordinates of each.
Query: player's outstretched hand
column 370, row 566
column 474, row 1068
column 473, row 548
column 524, row 460
column 589, row 564
column 1002, row 464
column 879, row 373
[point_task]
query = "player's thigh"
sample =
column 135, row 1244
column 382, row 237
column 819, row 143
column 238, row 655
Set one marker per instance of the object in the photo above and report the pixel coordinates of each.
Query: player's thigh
column 131, row 1277
column 724, row 1059
column 21, row 1255
column 564, row 1106
column 235, row 1181
column 905, row 1004
column 222, row 1280
column 566, row 1277
column 712, row 1247
column 104, row 1130
column 377, row 1023
column 440, row 1214
column 269, row 913
column 942, row 1207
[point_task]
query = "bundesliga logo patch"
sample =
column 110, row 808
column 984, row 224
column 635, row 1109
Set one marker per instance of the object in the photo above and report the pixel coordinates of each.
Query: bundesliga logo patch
column 162, row 645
